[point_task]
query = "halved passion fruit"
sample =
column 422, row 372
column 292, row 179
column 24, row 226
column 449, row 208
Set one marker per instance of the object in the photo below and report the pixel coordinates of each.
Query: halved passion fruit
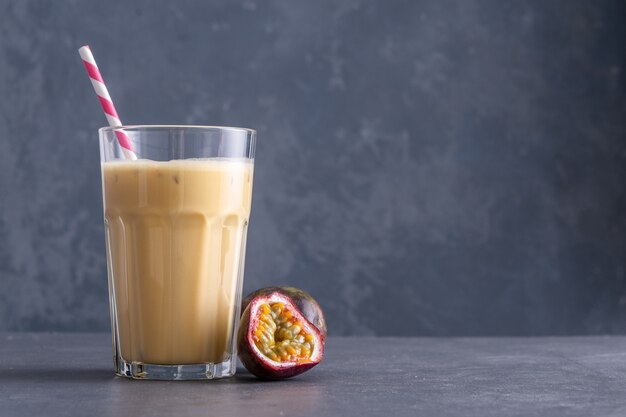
column 275, row 340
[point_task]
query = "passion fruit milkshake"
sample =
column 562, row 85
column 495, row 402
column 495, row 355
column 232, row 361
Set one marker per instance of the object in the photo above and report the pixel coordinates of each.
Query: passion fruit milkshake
column 175, row 233
column 176, row 221
column 176, row 206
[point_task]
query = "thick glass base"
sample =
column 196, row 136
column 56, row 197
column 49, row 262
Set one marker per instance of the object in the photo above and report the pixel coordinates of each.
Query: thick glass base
column 139, row 370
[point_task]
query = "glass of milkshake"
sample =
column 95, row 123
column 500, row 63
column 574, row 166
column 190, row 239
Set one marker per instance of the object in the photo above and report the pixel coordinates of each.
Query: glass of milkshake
column 176, row 221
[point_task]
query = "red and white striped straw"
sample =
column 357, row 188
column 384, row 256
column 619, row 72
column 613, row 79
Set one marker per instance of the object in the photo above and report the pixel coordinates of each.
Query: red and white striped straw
column 105, row 101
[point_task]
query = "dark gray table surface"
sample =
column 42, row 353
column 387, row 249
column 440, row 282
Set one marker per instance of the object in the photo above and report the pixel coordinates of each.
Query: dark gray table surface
column 71, row 374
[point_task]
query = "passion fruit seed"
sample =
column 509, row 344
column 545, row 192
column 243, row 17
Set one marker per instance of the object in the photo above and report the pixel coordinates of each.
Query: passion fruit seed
column 280, row 336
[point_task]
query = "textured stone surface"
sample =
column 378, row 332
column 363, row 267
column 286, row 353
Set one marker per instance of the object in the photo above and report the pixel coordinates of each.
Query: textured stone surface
column 71, row 375
column 424, row 167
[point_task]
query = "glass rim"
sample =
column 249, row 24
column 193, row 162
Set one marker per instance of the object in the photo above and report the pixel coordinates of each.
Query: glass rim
column 149, row 127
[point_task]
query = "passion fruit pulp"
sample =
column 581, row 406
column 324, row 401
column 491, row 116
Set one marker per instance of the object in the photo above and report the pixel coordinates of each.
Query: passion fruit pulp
column 303, row 301
column 275, row 340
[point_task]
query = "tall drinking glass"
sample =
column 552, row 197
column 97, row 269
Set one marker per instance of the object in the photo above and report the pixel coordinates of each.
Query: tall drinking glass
column 176, row 222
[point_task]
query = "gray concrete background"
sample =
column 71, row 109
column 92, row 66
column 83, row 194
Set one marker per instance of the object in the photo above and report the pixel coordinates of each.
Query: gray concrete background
column 423, row 168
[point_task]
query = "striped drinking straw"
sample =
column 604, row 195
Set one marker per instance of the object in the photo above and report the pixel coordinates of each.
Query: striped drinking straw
column 105, row 101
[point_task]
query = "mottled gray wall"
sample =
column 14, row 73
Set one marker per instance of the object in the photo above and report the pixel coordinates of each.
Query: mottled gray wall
column 423, row 168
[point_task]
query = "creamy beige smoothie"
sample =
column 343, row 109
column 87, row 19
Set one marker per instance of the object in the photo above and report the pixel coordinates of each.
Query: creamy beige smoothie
column 175, row 234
